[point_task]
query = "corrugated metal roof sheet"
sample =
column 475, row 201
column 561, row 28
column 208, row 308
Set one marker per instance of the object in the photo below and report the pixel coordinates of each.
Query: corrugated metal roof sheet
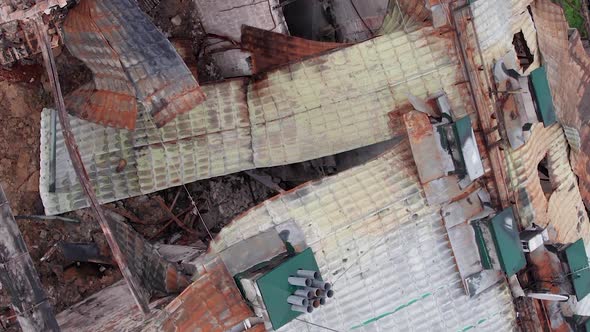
column 217, row 129
column 385, row 249
column 342, row 98
column 564, row 210
column 496, row 22
column 130, row 58
column 211, row 303
column 270, row 49
column 568, row 70
column 321, row 106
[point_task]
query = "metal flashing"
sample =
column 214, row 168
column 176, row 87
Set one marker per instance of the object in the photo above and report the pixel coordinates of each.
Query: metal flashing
column 507, row 242
column 543, row 97
column 577, row 261
column 275, row 289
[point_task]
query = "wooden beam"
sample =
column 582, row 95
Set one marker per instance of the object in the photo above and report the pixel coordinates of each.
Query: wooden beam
column 140, row 295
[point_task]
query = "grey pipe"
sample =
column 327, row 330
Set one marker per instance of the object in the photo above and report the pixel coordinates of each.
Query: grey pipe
column 308, row 274
column 329, row 293
column 316, row 291
column 307, row 309
column 298, row 300
column 304, row 293
column 321, row 284
column 297, row 281
column 322, row 300
column 316, row 302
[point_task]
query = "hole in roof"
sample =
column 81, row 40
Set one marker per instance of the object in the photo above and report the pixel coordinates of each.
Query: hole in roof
column 523, row 52
column 545, row 178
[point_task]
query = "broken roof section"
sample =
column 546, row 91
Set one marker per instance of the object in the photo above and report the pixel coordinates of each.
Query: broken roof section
column 404, row 15
column 226, row 17
column 335, row 102
column 270, row 49
column 130, row 59
column 497, row 22
column 384, row 247
column 568, row 71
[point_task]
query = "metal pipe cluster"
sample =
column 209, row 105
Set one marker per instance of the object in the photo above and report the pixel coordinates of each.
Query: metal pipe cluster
column 311, row 292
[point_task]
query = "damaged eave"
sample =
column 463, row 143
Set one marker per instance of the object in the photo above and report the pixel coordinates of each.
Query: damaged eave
column 132, row 63
column 270, row 49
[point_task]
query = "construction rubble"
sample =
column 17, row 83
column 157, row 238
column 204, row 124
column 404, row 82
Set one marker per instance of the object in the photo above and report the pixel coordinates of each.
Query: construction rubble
column 294, row 165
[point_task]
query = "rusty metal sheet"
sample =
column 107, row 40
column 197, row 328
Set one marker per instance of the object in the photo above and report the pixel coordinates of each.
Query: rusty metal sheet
column 270, row 49
column 130, row 59
column 564, row 210
column 442, row 190
column 211, row 303
column 424, row 146
column 568, row 72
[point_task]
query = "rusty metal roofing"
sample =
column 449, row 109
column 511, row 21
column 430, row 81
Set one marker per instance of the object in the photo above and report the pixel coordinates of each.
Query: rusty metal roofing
column 130, row 59
column 564, row 210
column 324, row 105
column 496, row 22
column 385, row 249
column 270, row 49
column 342, row 99
column 226, row 17
column 568, row 71
column 211, row 303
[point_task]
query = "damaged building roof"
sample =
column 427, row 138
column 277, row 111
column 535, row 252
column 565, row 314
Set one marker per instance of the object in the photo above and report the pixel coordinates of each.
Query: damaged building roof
column 324, row 105
column 120, row 45
column 568, row 71
column 401, row 237
column 386, row 250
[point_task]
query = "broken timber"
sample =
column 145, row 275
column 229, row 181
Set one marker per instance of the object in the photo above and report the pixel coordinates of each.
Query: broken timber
column 19, row 276
column 139, row 294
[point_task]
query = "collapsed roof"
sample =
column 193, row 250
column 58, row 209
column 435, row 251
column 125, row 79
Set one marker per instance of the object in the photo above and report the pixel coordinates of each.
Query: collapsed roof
column 324, row 105
column 133, row 65
column 395, row 239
